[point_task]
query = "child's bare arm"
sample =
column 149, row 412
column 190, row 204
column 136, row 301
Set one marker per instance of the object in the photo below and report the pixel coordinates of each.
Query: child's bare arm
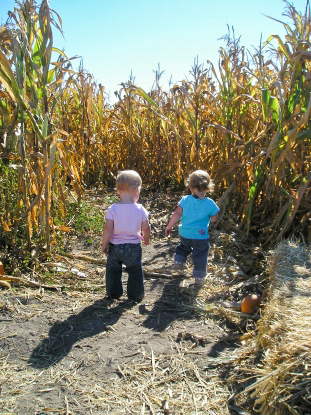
column 214, row 218
column 108, row 229
column 145, row 228
column 174, row 219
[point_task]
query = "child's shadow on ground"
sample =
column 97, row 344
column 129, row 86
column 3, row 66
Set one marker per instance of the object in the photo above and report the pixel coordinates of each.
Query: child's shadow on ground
column 175, row 303
column 63, row 335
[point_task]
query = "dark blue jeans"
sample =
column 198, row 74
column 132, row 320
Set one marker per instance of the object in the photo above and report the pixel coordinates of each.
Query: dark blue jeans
column 130, row 256
column 199, row 250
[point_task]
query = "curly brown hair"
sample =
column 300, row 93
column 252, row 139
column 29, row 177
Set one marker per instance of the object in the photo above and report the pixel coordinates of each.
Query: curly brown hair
column 200, row 180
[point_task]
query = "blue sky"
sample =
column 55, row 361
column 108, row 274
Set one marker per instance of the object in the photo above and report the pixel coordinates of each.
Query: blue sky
column 117, row 37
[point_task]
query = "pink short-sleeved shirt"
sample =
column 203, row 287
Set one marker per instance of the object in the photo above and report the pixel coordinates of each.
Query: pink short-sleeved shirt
column 127, row 220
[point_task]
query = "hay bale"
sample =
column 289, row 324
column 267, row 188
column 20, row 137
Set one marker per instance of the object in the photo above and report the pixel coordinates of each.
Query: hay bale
column 284, row 335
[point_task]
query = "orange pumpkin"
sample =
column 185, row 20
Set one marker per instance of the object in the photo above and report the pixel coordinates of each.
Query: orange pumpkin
column 250, row 304
column 1, row 269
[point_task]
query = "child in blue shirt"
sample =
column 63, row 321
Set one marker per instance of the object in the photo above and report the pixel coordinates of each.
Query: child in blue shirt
column 195, row 211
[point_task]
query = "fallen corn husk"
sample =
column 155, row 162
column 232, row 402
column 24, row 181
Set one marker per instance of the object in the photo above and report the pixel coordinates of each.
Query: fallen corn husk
column 25, row 282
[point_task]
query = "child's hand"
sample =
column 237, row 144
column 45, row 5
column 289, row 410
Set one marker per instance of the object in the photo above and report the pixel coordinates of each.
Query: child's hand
column 146, row 241
column 214, row 218
column 167, row 230
column 105, row 249
column 174, row 219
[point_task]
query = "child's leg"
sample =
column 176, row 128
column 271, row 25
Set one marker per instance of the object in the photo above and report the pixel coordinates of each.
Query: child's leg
column 135, row 282
column 114, row 286
column 183, row 249
column 199, row 258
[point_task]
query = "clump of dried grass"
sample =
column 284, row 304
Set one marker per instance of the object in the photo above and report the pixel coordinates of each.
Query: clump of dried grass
column 170, row 382
column 284, row 335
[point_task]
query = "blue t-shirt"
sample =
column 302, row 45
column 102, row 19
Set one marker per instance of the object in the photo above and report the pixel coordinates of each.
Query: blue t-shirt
column 196, row 214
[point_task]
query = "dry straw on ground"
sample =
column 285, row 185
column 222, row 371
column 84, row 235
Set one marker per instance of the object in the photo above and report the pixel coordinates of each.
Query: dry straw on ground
column 284, row 335
column 157, row 385
column 170, row 382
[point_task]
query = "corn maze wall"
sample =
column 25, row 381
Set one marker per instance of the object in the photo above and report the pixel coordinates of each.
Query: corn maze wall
column 246, row 120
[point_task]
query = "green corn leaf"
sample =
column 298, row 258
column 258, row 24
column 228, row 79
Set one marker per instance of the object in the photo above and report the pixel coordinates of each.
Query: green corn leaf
column 45, row 126
column 51, row 75
column 265, row 100
column 139, row 91
column 252, row 191
column 4, row 104
column 274, row 104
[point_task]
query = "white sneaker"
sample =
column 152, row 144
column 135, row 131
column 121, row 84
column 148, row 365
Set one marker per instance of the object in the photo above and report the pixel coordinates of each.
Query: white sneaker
column 199, row 281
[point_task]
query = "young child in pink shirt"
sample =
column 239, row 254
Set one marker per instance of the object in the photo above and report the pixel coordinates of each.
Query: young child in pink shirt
column 126, row 225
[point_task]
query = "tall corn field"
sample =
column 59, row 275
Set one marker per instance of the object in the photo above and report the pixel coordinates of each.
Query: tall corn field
column 246, row 120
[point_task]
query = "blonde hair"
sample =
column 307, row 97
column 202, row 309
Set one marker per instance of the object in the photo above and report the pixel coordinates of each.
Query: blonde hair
column 200, row 180
column 128, row 179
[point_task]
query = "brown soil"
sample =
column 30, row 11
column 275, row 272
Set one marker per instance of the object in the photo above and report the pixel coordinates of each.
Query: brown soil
column 67, row 351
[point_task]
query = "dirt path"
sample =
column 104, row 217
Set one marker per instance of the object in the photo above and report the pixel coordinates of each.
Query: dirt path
column 76, row 352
